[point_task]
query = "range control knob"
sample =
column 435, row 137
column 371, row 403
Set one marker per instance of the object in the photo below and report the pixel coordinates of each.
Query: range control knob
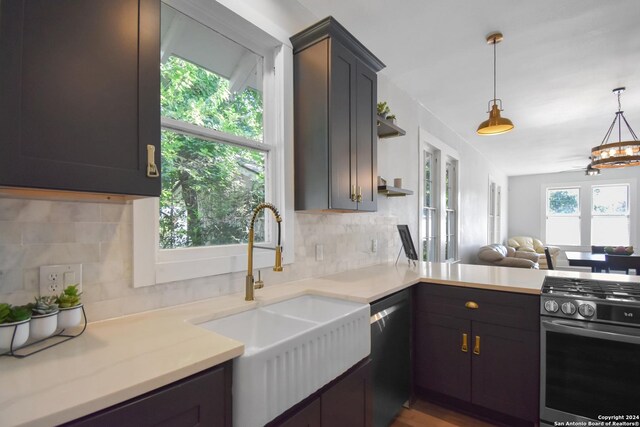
column 586, row 310
column 568, row 308
column 551, row 306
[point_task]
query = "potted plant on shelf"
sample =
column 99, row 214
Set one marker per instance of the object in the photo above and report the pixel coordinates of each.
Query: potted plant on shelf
column 14, row 326
column 44, row 317
column 383, row 109
column 70, row 307
column 392, row 118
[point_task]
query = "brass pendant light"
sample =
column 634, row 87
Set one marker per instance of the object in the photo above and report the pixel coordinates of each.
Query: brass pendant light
column 496, row 124
column 616, row 154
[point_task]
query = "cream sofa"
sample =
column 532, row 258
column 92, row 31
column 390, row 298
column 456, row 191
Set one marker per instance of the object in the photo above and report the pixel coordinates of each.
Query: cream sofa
column 503, row 256
column 533, row 245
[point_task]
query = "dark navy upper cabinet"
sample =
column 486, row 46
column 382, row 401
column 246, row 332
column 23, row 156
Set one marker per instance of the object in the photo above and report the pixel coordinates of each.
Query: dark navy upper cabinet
column 80, row 95
column 335, row 97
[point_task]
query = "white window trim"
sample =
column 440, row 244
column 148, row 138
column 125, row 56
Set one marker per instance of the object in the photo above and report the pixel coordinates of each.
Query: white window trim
column 153, row 266
column 585, row 209
column 441, row 152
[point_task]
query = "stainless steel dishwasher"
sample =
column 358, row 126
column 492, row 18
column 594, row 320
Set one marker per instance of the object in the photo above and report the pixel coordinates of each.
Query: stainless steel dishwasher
column 390, row 355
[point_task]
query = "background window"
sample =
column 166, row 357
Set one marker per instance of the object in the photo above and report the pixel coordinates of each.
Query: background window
column 610, row 215
column 429, row 210
column 214, row 164
column 563, row 216
column 451, row 204
column 494, row 218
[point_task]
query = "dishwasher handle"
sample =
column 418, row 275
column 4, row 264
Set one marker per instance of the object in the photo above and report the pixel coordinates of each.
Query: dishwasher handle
column 384, row 313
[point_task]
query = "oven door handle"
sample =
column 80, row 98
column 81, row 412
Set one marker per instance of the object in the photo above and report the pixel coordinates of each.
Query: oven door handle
column 592, row 332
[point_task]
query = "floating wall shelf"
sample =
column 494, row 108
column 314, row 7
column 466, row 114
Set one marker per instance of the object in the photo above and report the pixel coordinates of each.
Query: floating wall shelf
column 393, row 191
column 388, row 129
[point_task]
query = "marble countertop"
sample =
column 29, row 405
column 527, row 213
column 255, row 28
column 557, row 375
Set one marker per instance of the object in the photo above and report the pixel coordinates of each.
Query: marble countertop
column 117, row 359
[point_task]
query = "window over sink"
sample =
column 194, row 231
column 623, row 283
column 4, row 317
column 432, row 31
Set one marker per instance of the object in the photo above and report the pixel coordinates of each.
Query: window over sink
column 226, row 126
column 214, row 158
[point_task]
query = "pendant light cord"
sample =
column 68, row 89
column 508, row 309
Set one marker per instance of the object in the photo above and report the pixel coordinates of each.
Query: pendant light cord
column 619, row 118
column 494, row 71
column 619, row 121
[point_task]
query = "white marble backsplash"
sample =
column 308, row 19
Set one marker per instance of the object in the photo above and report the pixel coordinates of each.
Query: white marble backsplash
column 99, row 236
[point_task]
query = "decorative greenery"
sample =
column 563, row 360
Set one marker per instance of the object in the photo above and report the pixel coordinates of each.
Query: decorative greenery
column 208, row 188
column 383, row 109
column 69, row 297
column 44, row 305
column 5, row 311
column 391, row 117
column 10, row 314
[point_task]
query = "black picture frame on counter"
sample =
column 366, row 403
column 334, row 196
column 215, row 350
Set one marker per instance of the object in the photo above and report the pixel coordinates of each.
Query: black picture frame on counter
column 407, row 244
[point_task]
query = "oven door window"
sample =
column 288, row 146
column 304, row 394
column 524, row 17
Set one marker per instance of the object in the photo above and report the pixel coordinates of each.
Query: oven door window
column 590, row 376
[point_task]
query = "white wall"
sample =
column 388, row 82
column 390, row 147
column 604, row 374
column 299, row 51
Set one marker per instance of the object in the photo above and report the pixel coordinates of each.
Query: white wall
column 399, row 157
column 526, row 203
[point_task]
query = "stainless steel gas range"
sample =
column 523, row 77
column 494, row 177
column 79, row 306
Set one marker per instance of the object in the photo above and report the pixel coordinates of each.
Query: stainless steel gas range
column 590, row 352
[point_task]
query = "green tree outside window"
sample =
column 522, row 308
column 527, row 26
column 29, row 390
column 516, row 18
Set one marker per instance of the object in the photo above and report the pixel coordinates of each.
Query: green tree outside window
column 208, row 188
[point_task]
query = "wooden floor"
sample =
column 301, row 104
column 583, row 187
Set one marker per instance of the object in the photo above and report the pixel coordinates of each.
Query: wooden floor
column 425, row 414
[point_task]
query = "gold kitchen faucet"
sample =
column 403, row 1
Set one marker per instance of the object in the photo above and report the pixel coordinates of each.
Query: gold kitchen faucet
column 250, row 281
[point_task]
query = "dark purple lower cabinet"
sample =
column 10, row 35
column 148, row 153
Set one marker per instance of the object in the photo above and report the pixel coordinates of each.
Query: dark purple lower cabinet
column 482, row 358
column 345, row 402
column 505, row 375
column 203, row 399
column 308, row 416
column 438, row 344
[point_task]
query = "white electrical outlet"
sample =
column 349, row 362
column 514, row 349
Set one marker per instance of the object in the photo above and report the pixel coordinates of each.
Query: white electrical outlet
column 54, row 278
column 319, row 252
column 374, row 245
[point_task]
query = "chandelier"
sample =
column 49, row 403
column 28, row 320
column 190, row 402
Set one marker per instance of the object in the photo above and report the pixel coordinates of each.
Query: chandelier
column 616, row 154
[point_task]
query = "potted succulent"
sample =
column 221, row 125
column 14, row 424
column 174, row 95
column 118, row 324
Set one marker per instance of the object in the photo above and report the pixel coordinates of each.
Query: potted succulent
column 392, row 118
column 44, row 317
column 70, row 307
column 14, row 326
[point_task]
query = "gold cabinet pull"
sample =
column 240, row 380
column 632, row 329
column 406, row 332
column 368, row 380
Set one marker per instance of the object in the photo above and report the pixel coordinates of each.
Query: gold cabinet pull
column 471, row 305
column 359, row 195
column 476, row 346
column 465, row 344
column 152, row 169
column 354, row 198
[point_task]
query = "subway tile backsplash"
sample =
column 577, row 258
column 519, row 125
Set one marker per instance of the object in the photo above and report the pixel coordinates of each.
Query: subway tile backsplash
column 99, row 236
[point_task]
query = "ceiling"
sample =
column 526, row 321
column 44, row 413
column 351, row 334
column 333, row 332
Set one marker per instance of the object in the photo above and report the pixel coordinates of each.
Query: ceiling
column 556, row 68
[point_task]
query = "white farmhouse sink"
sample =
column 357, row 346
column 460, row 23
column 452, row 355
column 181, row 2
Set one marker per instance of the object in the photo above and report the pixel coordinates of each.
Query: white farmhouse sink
column 292, row 349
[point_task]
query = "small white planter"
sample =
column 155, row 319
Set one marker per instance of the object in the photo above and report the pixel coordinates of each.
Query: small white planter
column 6, row 335
column 43, row 325
column 69, row 317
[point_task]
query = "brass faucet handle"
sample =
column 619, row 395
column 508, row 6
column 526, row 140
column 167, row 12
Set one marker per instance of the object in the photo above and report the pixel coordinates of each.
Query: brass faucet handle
column 259, row 284
column 278, row 263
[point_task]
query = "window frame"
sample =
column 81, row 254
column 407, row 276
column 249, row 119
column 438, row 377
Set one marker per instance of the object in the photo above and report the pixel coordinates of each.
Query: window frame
column 626, row 215
column 153, row 265
column 426, row 231
column 442, row 153
column 577, row 215
column 585, row 208
column 494, row 212
column 451, row 206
